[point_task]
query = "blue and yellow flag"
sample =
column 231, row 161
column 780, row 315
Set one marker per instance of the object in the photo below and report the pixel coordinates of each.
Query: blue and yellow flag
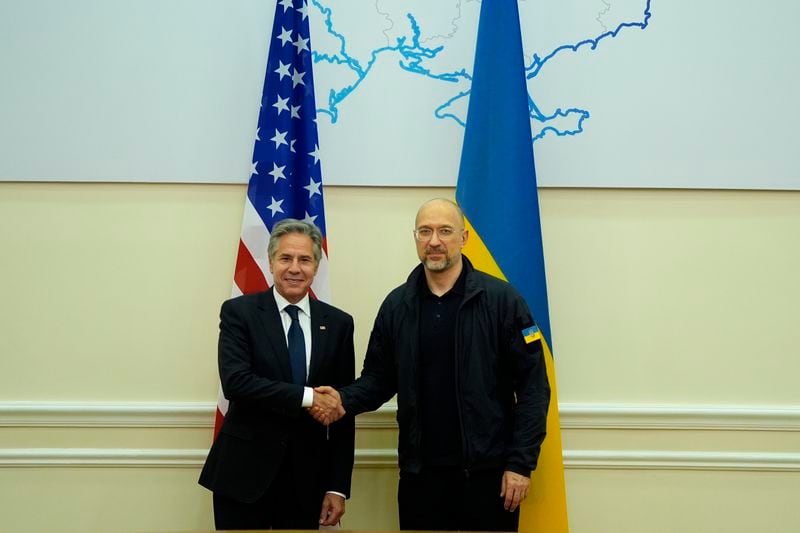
column 498, row 193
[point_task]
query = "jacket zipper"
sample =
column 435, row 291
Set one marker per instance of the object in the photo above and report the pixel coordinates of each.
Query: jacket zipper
column 464, row 440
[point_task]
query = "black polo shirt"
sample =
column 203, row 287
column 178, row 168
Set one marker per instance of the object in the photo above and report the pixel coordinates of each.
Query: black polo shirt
column 441, row 428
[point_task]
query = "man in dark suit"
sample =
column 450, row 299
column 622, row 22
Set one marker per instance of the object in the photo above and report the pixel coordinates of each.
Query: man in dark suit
column 272, row 466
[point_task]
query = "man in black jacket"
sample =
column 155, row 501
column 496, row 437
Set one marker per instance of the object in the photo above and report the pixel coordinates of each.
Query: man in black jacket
column 464, row 356
column 272, row 466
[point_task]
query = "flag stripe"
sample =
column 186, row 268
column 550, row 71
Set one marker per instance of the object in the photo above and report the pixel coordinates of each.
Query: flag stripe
column 320, row 287
column 248, row 276
column 255, row 237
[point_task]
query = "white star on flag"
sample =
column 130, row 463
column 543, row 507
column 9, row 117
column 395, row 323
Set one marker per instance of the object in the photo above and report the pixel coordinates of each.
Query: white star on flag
column 277, row 172
column 275, row 206
column 315, row 154
column 303, row 10
column 285, row 36
column 280, row 105
column 297, row 78
column 301, row 44
column 313, row 188
column 279, row 138
column 282, row 69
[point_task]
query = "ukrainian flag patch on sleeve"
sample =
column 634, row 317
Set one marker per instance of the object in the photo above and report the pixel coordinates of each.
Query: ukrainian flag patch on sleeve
column 531, row 334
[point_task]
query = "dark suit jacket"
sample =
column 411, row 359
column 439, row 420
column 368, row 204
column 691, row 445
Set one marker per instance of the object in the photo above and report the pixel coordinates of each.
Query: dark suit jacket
column 265, row 424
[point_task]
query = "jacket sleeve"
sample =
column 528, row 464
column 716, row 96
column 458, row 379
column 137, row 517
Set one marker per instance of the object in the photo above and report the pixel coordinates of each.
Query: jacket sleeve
column 378, row 381
column 240, row 382
column 532, row 391
column 342, row 433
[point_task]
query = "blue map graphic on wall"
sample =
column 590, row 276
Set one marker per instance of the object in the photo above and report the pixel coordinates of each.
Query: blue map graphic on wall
column 417, row 58
column 619, row 91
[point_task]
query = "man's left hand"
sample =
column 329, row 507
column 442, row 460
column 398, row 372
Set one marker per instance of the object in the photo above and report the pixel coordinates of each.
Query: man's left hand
column 332, row 510
column 514, row 488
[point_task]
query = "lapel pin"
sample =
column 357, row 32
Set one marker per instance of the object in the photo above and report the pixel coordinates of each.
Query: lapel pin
column 323, row 327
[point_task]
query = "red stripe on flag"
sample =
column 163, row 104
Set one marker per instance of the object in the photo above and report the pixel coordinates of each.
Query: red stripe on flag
column 248, row 276
column 218, row 422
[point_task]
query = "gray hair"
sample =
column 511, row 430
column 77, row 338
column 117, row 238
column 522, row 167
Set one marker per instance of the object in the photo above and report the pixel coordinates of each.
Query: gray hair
column 292, row 225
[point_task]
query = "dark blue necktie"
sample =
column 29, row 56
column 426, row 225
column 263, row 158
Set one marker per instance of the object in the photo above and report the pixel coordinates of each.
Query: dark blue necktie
column 297, row 347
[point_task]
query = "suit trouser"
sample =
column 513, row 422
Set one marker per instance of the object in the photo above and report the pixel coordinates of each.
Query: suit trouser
column 447, row 499
column 286, row 504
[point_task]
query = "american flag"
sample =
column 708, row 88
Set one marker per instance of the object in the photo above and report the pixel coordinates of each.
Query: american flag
column 286, row 178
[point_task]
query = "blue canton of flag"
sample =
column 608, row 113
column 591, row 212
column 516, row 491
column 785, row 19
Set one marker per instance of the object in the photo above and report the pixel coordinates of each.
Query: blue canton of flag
column 286, row 178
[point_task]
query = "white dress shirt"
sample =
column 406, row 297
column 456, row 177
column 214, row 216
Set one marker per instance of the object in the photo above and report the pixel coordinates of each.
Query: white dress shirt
column 304, row 317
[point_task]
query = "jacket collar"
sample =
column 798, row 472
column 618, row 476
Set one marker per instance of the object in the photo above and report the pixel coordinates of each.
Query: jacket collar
column 274, row 331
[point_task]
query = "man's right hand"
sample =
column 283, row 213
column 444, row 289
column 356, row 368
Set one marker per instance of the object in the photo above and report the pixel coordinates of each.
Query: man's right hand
column 327, row 405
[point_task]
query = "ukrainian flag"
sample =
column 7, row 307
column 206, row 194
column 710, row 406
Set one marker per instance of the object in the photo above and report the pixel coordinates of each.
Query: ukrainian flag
column 531, row 334
column 498, row 194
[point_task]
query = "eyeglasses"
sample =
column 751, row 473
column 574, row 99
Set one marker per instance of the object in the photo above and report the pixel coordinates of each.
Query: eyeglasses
column 425, row 234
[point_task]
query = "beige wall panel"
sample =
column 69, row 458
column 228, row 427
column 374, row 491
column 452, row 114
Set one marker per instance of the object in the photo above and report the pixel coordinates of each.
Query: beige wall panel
column 682, row 440
column 112, row 291
column 89, row 500
column 636, row 501
column 681, row 297
column 373, row 505
column 95, row 500
column 105, row 437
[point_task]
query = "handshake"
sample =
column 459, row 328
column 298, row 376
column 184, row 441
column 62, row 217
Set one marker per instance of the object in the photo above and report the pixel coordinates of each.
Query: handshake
column 327, row 406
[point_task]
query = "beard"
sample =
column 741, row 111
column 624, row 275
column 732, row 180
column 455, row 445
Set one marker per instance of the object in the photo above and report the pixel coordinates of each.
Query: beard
column 439, row 265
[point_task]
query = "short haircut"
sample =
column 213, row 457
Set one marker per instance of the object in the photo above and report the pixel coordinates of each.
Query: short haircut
column 292, row 225
column 445, row 201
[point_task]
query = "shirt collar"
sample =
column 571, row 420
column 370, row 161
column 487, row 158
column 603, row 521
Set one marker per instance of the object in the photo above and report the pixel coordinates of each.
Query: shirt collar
column 304, row 304
column 457, row 289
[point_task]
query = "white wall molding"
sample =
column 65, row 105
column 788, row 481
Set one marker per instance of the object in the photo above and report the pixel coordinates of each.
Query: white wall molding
column 107, row 414
column 147, row 458
column 697, row 417
column 573, row 416
column 387, row 458
column 101, row 457
column 671, row 460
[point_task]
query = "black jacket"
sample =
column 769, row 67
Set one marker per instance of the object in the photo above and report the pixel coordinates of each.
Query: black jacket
column 501, row 382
